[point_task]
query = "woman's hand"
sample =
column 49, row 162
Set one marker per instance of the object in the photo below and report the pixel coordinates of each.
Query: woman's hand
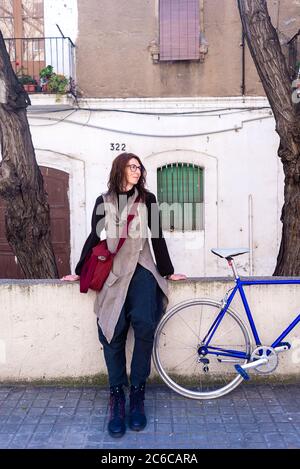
column 70, row 278
column 177, row 277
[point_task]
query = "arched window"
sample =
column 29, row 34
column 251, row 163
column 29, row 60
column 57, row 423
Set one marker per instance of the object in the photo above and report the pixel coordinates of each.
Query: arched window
column 180, row 196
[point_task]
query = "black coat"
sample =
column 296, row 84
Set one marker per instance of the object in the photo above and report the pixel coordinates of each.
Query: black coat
column 163, row 261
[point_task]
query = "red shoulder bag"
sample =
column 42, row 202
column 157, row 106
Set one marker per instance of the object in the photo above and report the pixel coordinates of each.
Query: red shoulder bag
column 98, row 264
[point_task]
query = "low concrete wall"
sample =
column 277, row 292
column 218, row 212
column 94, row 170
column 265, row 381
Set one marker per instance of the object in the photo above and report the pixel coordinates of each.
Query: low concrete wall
column 48, row 329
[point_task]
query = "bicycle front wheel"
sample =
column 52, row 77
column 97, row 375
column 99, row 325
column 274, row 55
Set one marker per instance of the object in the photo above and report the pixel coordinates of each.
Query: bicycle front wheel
column 181, row 358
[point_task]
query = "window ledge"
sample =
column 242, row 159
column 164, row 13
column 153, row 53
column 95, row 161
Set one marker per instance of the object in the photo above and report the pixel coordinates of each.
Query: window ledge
column 155, row 53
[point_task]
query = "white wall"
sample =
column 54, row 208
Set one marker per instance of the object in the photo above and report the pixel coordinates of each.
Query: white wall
column 65, row 14
column 48, row 329
column 238, row 151
column 59, row 53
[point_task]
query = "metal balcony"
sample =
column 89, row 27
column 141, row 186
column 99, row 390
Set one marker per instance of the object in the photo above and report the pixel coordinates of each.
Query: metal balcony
column 30, row 55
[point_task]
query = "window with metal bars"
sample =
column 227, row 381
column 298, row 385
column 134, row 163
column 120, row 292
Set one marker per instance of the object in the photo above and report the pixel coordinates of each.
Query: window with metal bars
column 180, row 196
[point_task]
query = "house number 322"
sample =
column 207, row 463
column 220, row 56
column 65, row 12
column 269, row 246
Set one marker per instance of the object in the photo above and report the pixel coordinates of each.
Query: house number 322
column 118, row 146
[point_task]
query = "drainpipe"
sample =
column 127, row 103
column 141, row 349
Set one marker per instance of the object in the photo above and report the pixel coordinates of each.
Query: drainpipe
column 243, row 85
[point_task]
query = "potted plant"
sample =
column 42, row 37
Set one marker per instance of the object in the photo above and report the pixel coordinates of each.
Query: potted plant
column 58, row 83
column 20, row 71
column 45, row 75
column 28, row 82
column 38, row 87
column 46, row 72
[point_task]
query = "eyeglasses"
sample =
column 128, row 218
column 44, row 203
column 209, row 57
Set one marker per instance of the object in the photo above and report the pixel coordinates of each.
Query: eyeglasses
column 134, row 167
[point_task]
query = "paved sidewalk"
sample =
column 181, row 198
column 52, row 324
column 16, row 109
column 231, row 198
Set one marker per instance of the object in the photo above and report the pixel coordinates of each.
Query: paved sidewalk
column 252, row 416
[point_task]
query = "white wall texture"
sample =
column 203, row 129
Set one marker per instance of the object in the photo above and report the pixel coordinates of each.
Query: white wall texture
column 243, row 188
column 48, row 329
column 65, row 14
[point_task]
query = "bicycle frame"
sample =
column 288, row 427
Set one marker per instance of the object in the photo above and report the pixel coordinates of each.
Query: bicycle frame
column 239, row 287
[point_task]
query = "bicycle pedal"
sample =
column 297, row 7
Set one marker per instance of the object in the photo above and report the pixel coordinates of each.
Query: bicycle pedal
column 242, row 372
column 284, row 344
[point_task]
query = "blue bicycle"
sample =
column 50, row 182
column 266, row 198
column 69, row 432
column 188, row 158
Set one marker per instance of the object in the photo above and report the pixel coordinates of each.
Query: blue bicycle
column 212, row 344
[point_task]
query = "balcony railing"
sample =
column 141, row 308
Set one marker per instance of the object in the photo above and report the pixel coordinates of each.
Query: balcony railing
column 294, row 56
column 30, row 55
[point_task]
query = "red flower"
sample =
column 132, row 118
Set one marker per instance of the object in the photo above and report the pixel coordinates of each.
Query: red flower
column 17, row 64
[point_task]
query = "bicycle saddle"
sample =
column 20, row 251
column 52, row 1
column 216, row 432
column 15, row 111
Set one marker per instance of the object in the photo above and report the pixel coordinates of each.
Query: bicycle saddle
column 229, row 252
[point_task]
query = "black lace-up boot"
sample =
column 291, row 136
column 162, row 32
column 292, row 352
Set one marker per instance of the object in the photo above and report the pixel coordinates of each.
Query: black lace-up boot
column 116, row 425
column 137, row 417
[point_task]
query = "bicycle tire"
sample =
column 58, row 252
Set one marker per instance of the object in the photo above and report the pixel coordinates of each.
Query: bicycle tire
column 184, row 382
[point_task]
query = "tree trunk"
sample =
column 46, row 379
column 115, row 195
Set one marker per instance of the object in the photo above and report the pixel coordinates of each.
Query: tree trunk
column 271, row 66
column 27, row 217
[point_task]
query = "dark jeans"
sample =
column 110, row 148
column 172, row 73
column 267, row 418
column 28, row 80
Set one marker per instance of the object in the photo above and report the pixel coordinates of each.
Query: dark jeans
column 142, row 309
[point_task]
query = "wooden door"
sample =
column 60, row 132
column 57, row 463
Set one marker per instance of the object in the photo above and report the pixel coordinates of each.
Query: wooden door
column 56, row 185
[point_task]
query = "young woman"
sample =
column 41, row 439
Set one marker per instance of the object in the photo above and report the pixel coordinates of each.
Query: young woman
column 136, row 290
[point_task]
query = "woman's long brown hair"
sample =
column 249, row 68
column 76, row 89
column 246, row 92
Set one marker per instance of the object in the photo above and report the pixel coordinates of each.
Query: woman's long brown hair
column 117, row 174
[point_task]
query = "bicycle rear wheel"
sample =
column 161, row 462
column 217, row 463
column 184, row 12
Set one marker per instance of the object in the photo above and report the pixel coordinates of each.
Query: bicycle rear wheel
column 177, row 342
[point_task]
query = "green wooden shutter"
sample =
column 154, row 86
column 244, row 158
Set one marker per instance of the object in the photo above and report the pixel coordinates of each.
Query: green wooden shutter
column 180, row 191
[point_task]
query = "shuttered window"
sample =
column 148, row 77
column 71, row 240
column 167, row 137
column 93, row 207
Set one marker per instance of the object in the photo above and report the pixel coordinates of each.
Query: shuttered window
column 180, row 196
column 179, row 29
